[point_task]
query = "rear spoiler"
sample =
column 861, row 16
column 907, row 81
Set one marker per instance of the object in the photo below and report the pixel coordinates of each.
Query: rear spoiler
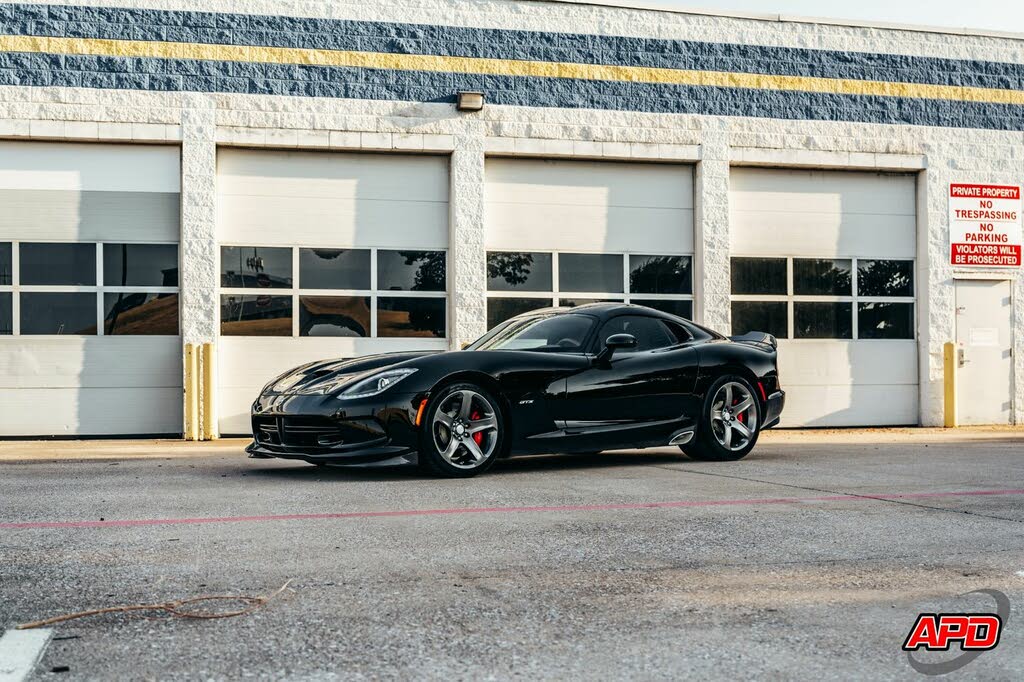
column 757, row 337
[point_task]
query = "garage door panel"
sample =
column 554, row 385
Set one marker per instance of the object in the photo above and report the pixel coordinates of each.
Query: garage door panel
column 56, row 215
column 581, row 183
column 835, row 192
column 277, row 220
column 840, row 363
column 90, row 411
column 823, row 234
column 90, row 362
column 588, row 228
column 332, row 175
column 851, row 405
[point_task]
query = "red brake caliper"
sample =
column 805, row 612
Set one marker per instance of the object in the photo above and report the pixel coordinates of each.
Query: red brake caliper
column 478, row 437
column 739, row 417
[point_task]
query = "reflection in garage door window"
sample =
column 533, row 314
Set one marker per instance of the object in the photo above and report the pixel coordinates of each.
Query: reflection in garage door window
column 334, row 269
column 58, row 313
column 597, row 272
column 822, row 277
column 57, row 264
column 6, row 313
column 255, row 267
column 824, row 298
column 339, row 292
column 520, row 281
column 139, row 312
column 6, row 264
column 140, row 265
column 255, row 315
column 334, row 316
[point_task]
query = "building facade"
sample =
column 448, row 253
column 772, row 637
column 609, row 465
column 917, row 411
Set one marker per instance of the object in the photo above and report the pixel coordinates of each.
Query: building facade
column 292, row 181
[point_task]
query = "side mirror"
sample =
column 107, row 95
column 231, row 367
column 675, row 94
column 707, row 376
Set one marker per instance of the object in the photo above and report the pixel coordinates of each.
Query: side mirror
column 613, row 343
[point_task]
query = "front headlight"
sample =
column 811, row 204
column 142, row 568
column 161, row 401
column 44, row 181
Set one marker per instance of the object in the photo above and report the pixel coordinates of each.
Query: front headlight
column 375, row 384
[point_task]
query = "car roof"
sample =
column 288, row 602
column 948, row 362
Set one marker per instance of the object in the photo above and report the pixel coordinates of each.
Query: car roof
column 604, row 310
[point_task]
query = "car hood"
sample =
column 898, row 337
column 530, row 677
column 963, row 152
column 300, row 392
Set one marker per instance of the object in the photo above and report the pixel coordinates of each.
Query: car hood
column 326, row 376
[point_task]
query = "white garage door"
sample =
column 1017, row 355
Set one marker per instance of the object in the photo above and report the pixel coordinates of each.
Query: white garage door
column 89, row 340
column 826, row 262
column 570, row 232
column 325, row 255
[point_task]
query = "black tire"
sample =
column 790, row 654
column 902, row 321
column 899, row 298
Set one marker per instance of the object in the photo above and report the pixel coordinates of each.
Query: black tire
column 707, row 445
column 461, row 464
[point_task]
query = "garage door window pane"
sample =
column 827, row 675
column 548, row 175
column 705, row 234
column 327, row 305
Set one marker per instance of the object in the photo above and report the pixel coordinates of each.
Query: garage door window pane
column 140, row 265
column 410, row 317
column 501, row 309
column 255, row 315
column 823, row 320
column 518, row 271
column 6, row 317
column 760, row 316
column 885, row 278
column 660, row 275
column 590, row 272
column 140, row 313
column 574, row 302
column 255, row 267
column 885, row 320
column 822, row 277
column 334, row 316
column 57, row 264
column 411, row 271
column 759, row 276
column 680, row 308
column 6, row 274
column 58, row 313
column 334, row 269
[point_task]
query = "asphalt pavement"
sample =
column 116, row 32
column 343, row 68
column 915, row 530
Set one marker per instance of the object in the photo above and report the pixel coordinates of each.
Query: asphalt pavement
column 809, row 560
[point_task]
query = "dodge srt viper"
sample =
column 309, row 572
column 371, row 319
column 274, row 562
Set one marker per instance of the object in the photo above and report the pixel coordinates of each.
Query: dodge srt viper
column 603, row 376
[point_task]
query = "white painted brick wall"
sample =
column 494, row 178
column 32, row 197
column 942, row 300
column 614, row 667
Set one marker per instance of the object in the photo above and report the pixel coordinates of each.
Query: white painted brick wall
column 199, row 122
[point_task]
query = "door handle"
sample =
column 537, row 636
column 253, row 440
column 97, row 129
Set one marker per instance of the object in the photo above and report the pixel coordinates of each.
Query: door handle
column 961, row 360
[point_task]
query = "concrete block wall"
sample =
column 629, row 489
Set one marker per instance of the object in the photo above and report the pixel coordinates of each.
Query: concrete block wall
column 397, row 109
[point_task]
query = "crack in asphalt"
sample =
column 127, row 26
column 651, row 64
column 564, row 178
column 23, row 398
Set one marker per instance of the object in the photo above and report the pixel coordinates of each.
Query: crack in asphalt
column 840, row 492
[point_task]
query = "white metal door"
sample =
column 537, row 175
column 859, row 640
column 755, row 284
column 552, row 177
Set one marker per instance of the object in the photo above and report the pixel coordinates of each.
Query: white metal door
column 97, row 351
column 983, row 336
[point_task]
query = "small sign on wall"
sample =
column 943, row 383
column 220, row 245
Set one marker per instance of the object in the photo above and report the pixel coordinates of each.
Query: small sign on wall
column 985, row 225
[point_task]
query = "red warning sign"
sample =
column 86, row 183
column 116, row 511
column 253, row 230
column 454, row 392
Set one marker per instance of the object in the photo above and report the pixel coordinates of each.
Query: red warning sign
column 985, row 225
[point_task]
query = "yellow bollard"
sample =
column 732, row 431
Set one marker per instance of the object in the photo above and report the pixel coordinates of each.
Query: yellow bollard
column 209, row 404
column 191, row 392
column 949, row 367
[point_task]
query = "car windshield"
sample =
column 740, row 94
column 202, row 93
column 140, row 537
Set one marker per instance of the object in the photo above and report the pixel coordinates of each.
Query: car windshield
column 558, row 333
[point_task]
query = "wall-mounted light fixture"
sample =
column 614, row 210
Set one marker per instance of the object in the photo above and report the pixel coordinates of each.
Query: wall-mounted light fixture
column 469, row 100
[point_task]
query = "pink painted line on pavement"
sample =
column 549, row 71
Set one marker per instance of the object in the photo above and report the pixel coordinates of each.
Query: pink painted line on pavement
column 128, row 523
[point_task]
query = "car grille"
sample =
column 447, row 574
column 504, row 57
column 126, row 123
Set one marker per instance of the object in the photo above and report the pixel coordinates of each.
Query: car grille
column 300, row 432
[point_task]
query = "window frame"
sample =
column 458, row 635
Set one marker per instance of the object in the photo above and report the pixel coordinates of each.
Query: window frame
column 99, row 290
column 790, row 299
column 296, row 291
column 553, row 296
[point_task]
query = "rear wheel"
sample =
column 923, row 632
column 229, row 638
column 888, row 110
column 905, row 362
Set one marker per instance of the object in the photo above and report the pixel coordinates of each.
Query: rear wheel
column 729, row 422
column 463, row 431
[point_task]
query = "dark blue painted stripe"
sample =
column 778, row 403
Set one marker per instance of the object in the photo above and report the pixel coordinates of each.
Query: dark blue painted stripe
column 317, row 81
column 336, row 34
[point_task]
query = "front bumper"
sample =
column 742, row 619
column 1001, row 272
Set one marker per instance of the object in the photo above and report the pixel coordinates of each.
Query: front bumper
column 773, row 409
column 322, row 429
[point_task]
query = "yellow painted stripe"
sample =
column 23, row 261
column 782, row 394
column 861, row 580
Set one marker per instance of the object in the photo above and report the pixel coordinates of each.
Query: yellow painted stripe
column 500, row 67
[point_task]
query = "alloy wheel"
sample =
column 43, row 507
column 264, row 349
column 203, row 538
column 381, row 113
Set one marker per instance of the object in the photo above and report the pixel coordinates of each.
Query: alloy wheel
column 465, row 429
column 733, row 416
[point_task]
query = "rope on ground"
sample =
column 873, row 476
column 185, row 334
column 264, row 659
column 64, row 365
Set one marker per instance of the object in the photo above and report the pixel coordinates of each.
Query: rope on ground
column 177, row 608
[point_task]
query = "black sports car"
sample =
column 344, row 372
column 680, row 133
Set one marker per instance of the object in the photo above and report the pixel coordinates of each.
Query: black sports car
column 597, row 377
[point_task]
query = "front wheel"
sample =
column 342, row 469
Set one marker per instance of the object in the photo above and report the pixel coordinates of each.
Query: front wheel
column 462, row 433
column 729, row 422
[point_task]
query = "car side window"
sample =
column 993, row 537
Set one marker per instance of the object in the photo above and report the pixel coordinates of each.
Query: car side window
column 650, row 332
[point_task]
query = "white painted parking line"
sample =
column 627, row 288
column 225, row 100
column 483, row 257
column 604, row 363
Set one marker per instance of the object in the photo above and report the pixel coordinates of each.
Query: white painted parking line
column 20, row 650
